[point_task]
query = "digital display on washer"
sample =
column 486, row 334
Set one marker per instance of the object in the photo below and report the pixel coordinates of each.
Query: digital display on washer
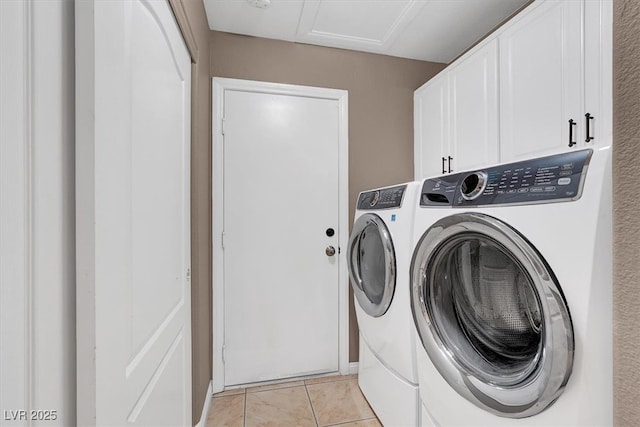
column 559, row 178
column 385, row 198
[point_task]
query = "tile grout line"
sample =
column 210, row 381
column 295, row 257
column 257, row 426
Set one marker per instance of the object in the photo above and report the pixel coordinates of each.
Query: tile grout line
column 337, row 379
column 313, row 411
column 273, row 389
column 222, row 397
column 244, row 413
column 354, row 421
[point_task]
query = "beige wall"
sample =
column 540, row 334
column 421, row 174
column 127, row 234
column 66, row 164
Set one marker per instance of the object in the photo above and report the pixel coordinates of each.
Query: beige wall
column 380, row 103
column 193, row 23
column 626, row 213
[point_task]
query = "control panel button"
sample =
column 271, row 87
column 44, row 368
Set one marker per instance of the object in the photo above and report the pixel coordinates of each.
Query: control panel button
column 564, row 181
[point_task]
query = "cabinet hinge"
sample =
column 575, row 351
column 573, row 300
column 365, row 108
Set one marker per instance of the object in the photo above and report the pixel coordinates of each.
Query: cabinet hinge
column 223, row 125
column 222, row 240
column 188, row 274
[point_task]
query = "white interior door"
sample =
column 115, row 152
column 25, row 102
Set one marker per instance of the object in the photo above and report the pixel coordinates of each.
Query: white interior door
column 281, row 195
column 133, row 245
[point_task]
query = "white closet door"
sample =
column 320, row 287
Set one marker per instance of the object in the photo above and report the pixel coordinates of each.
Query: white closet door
column 133, row 231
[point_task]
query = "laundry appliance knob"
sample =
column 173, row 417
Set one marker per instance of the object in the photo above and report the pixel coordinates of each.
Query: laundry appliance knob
column 473, row 185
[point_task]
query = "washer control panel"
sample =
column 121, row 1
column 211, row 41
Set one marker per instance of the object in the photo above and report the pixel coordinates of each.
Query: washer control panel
column 553, row 178
column 385, row 198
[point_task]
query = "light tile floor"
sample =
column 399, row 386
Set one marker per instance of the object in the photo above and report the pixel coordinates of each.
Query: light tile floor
column 317, row 402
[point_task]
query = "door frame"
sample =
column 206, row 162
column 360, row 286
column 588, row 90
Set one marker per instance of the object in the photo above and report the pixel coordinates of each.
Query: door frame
column 219, row 86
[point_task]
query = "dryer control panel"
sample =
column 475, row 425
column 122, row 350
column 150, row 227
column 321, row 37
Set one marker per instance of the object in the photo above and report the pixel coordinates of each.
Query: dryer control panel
column 384, row 198
column 553, row 178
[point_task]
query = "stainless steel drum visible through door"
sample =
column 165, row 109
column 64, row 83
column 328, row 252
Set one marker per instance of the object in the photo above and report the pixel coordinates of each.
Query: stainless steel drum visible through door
column 372, row 264
column 491, row 315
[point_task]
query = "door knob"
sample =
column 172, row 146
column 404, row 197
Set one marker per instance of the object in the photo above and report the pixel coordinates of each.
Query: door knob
column 330, row 251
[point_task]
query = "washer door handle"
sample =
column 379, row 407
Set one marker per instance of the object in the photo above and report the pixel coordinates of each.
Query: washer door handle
column 330, row 251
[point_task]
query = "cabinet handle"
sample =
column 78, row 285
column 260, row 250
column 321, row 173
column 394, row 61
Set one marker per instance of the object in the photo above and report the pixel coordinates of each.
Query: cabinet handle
column 588, row 117
column 443, row 161
column 450, row 158
column 571, row 141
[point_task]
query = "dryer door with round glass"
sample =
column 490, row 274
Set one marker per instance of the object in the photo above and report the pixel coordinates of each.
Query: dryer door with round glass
column 372, row 264
column 491, row 315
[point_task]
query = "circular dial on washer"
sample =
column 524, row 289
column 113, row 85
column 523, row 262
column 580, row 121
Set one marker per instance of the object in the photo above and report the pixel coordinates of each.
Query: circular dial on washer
column 473, row 185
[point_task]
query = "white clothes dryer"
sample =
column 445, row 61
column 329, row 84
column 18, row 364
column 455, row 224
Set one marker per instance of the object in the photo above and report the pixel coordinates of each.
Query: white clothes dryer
column 379, row 253
column 511, row 293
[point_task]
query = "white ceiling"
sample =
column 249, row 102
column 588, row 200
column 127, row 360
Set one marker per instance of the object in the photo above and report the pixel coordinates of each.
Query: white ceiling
column 429, row 30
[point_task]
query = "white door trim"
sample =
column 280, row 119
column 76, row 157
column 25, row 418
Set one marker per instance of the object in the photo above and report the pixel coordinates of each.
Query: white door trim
column 37, row 262
column 219, row 86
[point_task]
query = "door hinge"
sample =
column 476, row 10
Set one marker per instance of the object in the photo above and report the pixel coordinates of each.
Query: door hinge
column 223, row 353
column 222, row 240
column 188, row 274
column 223, row 125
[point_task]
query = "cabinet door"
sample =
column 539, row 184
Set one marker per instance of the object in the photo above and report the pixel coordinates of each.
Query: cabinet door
column 597, row 72
column 473, row 109
column 430, row 128
column 541, row 80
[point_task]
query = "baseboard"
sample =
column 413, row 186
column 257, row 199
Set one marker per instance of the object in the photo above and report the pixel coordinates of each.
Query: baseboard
column 353, row 368
column 206, row 406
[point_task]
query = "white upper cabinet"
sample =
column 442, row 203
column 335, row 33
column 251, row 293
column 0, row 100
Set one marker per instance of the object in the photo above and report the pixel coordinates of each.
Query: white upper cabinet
column 598, row 70
column 431, row 139
column 541, row 80
column 473, row 109
column 539, row 84
column 456, row 116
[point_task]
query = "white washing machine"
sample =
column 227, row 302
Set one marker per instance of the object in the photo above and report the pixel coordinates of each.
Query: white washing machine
column 379, row 253
column 511, row 293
